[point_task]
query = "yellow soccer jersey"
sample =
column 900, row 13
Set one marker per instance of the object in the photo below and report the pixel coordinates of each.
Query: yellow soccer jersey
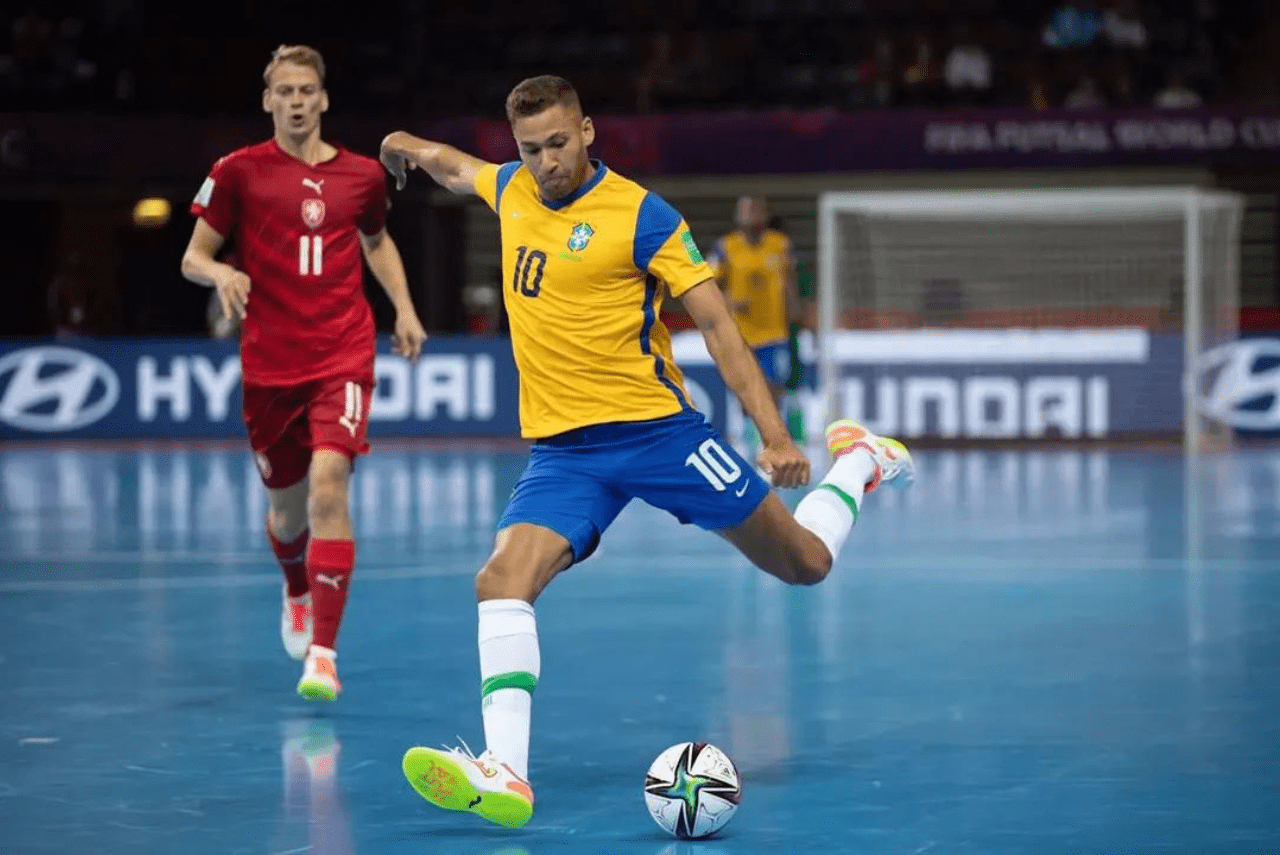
column 754, row 276
column 583, row 282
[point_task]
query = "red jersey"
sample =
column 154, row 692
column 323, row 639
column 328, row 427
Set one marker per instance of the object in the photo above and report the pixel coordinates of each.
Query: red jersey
column 295, row 229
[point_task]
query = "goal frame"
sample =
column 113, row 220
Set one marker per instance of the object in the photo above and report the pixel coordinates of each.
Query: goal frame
column 1189, row 202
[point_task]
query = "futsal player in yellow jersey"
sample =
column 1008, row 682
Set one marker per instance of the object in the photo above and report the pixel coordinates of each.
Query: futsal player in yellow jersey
column 755, row 267
column 586, row 256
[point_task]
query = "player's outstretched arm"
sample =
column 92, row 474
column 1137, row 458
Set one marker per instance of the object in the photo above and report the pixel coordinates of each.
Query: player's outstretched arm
column 452, row 169
column 200, row 266
column 781, row 458
column 388, row 268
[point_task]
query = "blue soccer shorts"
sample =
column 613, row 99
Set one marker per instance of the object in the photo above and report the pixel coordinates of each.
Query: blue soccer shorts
column 578, row 482
column 775, row 362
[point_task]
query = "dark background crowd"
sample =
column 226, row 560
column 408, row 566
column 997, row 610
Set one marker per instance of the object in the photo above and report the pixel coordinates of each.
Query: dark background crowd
column 633, row 56
column 81, row 265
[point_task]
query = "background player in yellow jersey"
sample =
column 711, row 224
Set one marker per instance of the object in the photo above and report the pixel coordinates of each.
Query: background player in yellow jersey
column 755, row 267
column 585, row 255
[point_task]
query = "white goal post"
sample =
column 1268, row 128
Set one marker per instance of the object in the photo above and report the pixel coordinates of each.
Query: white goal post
column 1049, row 262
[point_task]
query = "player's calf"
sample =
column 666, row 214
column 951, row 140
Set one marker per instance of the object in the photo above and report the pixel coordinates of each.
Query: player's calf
column 810, row 561
column 772, row 540
column 289, row 538
column 332, row 554
column 286, row 529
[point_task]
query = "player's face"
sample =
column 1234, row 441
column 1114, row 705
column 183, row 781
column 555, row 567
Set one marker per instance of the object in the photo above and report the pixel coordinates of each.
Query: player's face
column 751, row 214
column 553, row 145
column 295, row 99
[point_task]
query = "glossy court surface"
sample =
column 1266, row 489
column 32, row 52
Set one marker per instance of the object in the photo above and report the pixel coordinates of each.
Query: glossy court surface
column 1031, row 652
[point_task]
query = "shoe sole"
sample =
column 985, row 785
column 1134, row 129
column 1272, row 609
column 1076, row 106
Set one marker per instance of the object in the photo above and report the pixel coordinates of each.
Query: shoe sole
column 441, row 779
column 316, row 691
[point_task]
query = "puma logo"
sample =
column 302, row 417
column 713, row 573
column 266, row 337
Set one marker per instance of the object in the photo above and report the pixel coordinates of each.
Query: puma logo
column 335, row 581
column 314, row 185
column 472, row 804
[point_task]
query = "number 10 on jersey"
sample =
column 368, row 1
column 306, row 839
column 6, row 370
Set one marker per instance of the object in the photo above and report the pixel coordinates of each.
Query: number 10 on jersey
column 310, row 255
column 528, row 276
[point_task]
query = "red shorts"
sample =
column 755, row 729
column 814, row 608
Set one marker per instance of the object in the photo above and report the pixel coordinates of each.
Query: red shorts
column 287, row 423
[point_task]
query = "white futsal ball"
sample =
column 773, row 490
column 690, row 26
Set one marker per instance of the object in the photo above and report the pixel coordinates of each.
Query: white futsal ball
column 692, row 790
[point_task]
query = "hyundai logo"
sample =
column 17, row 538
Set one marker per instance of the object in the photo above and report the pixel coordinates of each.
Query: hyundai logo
column 52, row 389
column 1239, row 383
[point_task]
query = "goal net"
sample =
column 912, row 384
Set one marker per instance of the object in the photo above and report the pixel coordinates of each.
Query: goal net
column 1024, row 314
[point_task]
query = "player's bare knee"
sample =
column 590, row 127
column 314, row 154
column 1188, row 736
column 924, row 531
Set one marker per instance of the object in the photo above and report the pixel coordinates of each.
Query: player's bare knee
column 327, row 501
column 287, row 513
column 286, row 523
column 503, row 579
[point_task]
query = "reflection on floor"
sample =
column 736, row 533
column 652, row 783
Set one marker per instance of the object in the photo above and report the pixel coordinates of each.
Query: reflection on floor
column 1031, row 652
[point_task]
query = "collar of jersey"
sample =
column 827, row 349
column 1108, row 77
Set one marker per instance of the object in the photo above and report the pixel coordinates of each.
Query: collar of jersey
column 596, row 178
column 337, row 153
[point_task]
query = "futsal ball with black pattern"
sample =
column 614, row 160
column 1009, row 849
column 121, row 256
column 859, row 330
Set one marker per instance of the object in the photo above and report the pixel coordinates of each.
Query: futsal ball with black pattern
column 692, row 790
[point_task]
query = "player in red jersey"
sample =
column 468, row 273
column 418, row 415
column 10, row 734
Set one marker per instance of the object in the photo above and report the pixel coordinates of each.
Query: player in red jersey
column 301, row 212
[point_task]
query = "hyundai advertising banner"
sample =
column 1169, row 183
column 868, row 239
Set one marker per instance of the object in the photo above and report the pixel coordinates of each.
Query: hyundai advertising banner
column 961, row 384
column 184, row 388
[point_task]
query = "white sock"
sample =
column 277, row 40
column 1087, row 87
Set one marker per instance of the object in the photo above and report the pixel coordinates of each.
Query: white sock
column 509, row 667
column 831, row 508
column 317, row 650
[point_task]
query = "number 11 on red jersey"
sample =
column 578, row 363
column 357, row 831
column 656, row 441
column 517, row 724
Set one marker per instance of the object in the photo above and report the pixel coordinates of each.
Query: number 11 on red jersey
column 310, row 255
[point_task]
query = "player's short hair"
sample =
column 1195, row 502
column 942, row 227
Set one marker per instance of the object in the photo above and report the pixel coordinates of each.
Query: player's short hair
column 535, row 94
column 298, row 55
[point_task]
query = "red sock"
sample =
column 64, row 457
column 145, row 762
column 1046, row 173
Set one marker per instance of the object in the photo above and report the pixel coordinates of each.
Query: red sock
column 329, row 565
column 293, row 561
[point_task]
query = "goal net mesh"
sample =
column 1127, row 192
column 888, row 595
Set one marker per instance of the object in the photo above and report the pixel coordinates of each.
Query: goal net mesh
column 1161, row 264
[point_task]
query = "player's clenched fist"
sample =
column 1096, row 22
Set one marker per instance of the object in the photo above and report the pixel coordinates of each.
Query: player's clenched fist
column 233, row 292
column 785, row 463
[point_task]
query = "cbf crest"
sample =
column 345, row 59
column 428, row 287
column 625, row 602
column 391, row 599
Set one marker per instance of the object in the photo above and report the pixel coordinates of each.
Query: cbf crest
column 313, row 212
column 580, row 236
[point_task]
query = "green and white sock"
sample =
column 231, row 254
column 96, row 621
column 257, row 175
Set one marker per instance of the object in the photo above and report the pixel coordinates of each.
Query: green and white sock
column 831, row 508
column 509, row 667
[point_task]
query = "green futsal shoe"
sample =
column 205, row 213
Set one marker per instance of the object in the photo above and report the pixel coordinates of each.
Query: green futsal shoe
column 455, row 779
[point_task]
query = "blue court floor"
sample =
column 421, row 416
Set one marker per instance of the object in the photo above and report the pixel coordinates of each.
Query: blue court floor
column 1031, row 652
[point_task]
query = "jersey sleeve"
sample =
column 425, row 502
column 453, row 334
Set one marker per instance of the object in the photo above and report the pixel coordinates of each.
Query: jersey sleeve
column 487, row 184
column 372, row 216
column 492, row 179
column 664, row 246
column 218, row 200
column 787, row 250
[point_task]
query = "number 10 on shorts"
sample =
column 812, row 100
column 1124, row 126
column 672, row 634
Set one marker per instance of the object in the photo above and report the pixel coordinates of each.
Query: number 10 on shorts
column 714, row 464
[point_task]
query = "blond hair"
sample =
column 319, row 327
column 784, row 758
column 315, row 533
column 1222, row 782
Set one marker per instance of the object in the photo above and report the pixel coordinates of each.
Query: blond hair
column 298, row 55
